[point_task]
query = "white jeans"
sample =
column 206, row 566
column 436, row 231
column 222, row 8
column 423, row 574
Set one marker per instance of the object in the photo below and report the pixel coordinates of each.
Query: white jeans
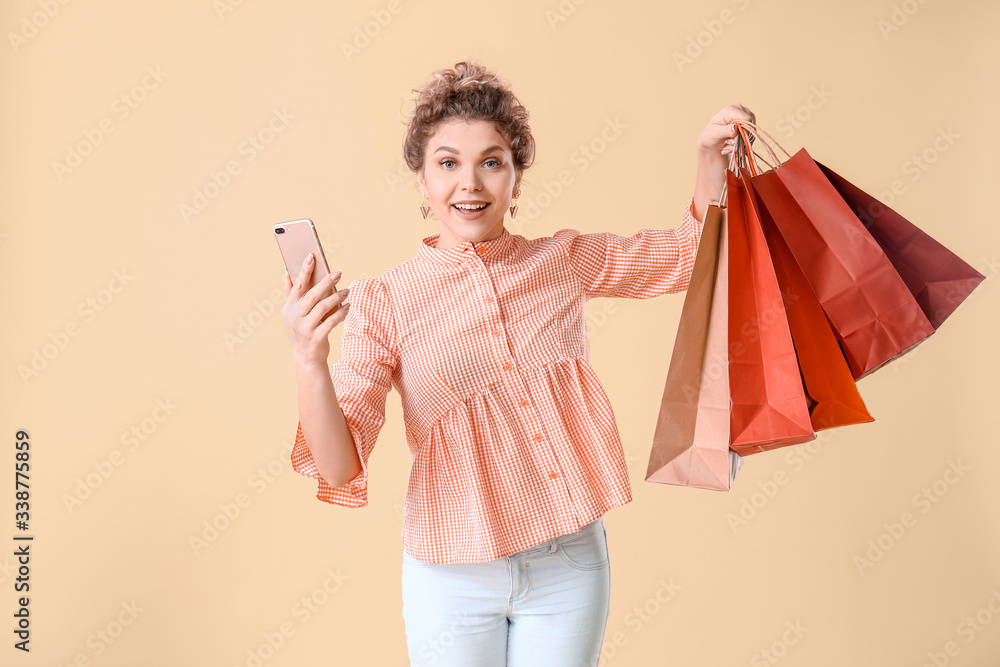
column 546, row 605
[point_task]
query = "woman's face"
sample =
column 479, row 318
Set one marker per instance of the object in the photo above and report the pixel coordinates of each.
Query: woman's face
column 468, row 162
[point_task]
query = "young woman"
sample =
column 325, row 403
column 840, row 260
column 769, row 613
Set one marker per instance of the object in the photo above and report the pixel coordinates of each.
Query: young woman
column 516, row 454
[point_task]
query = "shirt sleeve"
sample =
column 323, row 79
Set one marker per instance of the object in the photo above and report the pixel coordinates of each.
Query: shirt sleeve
column 648, row 264
column 362, row 378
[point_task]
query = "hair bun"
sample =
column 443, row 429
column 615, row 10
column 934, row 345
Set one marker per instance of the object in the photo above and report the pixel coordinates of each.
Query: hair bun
column 467, row 91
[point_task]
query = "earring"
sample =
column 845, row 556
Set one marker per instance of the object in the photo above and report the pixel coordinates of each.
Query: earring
column 513, row 209
column 425, row 209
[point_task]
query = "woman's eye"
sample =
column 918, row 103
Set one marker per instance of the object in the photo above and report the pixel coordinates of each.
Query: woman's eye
column 498, row 163
column 445, row 162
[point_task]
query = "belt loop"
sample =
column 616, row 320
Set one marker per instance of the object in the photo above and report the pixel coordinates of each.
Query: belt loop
column 553, row 546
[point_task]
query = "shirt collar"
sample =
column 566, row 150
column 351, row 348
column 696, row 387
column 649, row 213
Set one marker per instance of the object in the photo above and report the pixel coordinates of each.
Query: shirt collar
column 491, row 249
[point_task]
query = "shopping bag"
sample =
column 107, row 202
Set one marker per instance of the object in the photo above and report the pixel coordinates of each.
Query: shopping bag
column 937, row 278
column 691, row 440
column 833, row 396
column 769, row 408
column 873, row 314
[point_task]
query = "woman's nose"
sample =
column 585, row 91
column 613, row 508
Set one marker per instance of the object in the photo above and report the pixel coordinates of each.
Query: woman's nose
column 472, row 181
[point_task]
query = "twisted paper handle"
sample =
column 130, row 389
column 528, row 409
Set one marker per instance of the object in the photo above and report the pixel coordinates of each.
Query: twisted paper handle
column 743, row 155
column 757, row 133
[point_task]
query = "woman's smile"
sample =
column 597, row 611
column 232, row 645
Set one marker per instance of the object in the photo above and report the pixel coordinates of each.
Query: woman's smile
column 470, row 210
column 469, row 177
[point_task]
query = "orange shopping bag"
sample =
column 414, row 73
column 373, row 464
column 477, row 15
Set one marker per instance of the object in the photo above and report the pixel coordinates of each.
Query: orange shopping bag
column 769, row 408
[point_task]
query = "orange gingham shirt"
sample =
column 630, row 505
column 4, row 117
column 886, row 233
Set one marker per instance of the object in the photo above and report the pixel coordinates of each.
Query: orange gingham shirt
column 512, row 436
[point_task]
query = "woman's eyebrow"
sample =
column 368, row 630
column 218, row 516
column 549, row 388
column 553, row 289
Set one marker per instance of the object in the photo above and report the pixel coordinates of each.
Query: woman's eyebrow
column 452, row 150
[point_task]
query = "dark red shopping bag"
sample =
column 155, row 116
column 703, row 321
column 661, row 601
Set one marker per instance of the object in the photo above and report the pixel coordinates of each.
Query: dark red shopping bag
column 769, row 408
column 937, row 278
column 870, row 308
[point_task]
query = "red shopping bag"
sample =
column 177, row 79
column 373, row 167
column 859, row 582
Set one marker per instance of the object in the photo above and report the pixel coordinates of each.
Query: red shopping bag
column 873, row 314
column 769, row 408
column 691, row 441
column 830, row 388
column 937, row 278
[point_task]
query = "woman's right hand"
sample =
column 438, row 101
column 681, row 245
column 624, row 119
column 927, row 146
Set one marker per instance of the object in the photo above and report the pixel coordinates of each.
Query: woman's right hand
column 311, row 318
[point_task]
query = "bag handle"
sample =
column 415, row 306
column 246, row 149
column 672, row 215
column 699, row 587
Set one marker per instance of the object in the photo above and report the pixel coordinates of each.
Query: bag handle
column 744, row 156
column 722, row 201
column 743, row 151
column 755, row 131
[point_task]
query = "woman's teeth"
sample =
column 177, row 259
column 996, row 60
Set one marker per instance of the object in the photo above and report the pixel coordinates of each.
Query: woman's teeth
column 470, row 207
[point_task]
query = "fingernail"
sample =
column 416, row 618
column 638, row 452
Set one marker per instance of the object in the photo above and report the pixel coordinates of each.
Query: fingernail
column 309, row 258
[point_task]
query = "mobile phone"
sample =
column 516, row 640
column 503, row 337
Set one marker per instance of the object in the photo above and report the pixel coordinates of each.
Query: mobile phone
column 296, row 239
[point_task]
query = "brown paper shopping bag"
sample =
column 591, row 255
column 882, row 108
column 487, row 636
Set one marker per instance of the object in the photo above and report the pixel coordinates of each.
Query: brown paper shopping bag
column 691, row 441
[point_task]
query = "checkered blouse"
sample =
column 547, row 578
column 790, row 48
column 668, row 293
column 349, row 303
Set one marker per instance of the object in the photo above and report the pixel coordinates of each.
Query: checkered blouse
column 512, row 436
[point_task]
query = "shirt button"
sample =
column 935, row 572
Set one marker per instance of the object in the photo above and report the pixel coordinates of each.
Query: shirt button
column 489, row 297
column 524, row 403
column 497, row 332
column 480, row 249
column 507, row 366
column 539, row 436
column 553, row 474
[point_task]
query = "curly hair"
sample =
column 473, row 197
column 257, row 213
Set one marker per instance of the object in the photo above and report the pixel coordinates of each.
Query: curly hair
column 469, row 91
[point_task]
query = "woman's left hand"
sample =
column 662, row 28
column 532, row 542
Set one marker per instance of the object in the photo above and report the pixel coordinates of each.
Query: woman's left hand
column 719, row 135
column 715, row 144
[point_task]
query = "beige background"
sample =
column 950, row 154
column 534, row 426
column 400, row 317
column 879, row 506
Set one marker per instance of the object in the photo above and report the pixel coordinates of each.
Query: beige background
column 159, row 97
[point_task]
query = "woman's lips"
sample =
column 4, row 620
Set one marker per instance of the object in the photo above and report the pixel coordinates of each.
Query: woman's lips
column 470, row 214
